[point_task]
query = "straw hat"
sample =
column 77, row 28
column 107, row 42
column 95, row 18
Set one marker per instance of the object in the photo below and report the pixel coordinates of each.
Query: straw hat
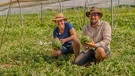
column 94, row 10
column 59, row 16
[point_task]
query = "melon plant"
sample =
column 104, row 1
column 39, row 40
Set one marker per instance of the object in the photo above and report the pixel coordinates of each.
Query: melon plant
column 85, row 39
column 56, row 44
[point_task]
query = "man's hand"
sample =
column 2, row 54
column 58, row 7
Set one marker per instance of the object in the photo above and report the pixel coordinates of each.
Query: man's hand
column 86, row 45
column 91, row 44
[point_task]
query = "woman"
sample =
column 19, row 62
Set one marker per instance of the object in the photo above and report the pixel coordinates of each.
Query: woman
column 67, row 35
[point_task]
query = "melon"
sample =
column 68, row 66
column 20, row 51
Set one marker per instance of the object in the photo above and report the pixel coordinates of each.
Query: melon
column 56, row 44
column 85, row 39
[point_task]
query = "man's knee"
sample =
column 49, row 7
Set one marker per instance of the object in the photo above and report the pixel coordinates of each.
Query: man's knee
column 100, row 54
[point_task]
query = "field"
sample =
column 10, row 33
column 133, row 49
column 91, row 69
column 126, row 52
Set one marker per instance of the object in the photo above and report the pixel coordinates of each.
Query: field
column 25, row 46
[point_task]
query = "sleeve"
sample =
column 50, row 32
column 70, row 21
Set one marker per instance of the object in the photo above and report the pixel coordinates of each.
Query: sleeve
column 70, row 26
column 55, row 34
column 84, row 31
column 106, row 36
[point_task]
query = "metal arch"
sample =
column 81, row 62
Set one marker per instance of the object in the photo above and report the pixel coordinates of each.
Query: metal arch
column 20, row 13
column 3, row 32
column 60, row 4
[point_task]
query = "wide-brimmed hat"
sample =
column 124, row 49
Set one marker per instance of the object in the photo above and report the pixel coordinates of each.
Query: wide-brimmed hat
column 94, row 10
column 59, row 16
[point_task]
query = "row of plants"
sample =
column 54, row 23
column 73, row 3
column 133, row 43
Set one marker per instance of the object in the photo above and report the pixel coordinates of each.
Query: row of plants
column 21, row 54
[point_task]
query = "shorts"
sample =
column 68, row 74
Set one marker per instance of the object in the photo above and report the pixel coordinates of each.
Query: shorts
column 84, row 57
column 66, row 49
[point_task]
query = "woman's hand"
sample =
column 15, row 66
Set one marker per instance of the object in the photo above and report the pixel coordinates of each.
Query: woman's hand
column 63, row 41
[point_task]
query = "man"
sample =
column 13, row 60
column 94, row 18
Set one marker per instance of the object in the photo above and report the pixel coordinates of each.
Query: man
column 66, row 33
column 100, row 33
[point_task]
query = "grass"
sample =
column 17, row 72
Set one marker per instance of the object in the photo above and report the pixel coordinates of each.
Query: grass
column 21, row 54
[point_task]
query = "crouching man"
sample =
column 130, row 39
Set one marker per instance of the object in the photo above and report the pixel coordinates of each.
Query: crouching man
column 100, row 33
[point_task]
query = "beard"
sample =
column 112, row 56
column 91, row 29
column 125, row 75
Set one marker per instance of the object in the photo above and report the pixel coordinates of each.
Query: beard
column 94, row 22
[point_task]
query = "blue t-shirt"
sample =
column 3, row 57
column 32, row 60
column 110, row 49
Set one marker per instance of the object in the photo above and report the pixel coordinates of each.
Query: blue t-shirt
column 65, row 34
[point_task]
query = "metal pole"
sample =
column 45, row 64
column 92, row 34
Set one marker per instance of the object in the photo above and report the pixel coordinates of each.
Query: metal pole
column 21, row 21
column 10, row 16
column 51, row 6
column 112, row 12
column 84, row 12
column 118, row 7
column 41, row 13
column 3, row 32
column 128, row 7
column 60, row 6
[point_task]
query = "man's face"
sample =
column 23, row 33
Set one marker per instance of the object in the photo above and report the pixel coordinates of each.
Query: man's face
column 94, row 17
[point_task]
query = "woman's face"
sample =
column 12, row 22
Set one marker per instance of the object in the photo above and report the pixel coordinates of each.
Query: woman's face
column 60, row 22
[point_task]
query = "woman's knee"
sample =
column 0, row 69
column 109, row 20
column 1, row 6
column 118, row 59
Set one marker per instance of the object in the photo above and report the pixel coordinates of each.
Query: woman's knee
column 76, row 42
column 76, row 46
column 56, row 53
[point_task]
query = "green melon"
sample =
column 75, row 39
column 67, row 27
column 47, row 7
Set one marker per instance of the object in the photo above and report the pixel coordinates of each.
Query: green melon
column 56, row 44
column 85, row 39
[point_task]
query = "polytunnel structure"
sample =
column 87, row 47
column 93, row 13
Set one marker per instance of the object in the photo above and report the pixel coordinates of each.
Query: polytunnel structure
column 38, row 6
column 26, row 35
column 33, row 6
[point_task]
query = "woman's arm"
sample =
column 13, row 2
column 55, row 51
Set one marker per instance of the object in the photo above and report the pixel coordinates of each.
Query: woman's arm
column 73, row 35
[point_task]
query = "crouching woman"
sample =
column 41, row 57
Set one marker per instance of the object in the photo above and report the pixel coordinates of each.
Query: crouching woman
column 66, row 33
